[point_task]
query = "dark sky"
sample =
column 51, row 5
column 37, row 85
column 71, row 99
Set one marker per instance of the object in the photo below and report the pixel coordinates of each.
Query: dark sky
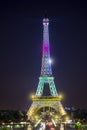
column 21, row 34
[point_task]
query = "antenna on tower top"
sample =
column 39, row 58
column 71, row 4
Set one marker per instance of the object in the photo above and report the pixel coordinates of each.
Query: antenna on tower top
column 45, row 14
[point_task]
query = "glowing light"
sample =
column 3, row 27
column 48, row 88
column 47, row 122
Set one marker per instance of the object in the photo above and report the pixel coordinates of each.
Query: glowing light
column 54, row 122
column 8, row 126
column 56, row 116
column 45, row 21
column 69, row 121
column 31, row 96
column 22, row 123
column 36, row 117
column 50, row 61
column 67, row 118
column 61, row 95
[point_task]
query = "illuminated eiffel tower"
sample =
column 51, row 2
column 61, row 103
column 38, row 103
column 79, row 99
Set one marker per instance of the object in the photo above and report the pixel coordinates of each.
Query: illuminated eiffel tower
column 49, row 106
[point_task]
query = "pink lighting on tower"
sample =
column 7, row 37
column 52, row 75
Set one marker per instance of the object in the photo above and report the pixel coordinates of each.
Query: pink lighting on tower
column 45, row 47
column 46, row 61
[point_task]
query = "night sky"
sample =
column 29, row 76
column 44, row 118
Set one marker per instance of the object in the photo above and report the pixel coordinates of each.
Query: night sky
column 21, row 37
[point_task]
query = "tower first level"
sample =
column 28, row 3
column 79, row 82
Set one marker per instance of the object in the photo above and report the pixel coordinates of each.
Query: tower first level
column 46, row 107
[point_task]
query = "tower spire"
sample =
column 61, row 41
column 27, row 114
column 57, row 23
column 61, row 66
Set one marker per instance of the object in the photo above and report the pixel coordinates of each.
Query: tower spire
column 46, row 71
column 46, row 61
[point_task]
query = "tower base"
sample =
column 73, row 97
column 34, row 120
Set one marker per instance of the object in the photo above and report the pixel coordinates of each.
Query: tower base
column 46, row 108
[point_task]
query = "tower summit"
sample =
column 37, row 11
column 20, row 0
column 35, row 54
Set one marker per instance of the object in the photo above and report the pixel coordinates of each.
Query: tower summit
column 52, row 103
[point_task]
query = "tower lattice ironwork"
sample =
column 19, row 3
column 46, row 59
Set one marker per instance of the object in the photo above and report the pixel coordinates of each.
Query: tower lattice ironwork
column 53, row 101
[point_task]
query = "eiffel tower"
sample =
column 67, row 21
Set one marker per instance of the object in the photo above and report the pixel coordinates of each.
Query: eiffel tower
column 49, row 106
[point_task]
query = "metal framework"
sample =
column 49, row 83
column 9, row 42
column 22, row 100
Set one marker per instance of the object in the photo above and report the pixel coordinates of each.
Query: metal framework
column 40, row 101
